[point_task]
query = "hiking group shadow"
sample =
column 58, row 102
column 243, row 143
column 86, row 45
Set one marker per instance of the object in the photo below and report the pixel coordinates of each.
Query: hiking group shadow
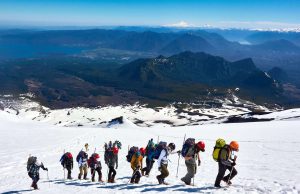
column 126, row 186
column 17, row 191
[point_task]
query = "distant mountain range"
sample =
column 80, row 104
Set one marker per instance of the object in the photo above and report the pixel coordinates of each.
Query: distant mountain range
column 184, row 77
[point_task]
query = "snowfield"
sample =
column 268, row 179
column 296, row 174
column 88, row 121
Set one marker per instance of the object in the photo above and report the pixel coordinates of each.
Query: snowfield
column 268, row 161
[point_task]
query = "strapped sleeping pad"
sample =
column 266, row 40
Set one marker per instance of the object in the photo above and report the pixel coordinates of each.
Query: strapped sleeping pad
column 189, row 143
column 161, row 146
column 220, row 143
column 31, row 160
column 131, row 152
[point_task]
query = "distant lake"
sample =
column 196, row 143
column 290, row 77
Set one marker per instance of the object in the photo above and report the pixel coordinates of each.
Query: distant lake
column 25, row 50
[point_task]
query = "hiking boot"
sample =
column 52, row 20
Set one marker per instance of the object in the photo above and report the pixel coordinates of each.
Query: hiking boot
column 93, row 179
column 183, row 180
column 143, row 173
column 160, row 181
column 228, row 182
column 79, row 177
column 85, row 177
column 35, row 187
column 218, row 186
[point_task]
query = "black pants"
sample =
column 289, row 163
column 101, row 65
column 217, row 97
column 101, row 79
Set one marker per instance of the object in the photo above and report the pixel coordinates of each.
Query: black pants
column 111, row 173
column 149, row 165
column 221, row 173
column 35, row 179
column 136, row 177
column 93, row 172
column 69, row 169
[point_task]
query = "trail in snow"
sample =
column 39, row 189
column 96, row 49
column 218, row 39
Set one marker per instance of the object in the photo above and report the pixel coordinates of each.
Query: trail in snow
column 268, row 161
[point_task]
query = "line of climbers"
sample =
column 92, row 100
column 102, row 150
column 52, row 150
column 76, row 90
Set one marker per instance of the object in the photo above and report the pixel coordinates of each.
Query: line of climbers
column 223, row 153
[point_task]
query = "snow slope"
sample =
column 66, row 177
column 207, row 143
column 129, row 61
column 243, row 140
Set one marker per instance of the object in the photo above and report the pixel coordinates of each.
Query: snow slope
column 268, row 161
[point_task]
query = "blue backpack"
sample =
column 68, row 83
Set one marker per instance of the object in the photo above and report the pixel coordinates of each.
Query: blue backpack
column 161, row 146
column 190, row 142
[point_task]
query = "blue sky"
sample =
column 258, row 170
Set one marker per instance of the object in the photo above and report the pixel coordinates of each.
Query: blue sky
column 219, row 13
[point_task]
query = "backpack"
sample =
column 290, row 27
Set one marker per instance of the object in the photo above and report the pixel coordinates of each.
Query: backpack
column 108, row 154
column 65, row 157
column 131, row 152
column 118, row 144
column 161, row 146
column 80, row 155
column 220, row 143
column 91, row 161
column 189, row 143
column 31, row 160
column 150, row 149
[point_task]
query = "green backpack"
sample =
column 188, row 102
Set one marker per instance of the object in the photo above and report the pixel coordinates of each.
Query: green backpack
column 220, row 143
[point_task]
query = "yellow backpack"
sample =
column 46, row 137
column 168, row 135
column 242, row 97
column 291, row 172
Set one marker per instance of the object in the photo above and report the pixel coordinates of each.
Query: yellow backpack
column 220, row 143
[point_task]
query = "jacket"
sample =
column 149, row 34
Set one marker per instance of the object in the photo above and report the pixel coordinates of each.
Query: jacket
column 163, row 157
column 35, row 168
column 136, row 162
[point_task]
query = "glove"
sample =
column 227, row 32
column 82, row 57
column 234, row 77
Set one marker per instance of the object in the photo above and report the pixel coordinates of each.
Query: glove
column 117, row 167
column 46, row 169
column 199, row 162
column 233, row 164
column 179, row 152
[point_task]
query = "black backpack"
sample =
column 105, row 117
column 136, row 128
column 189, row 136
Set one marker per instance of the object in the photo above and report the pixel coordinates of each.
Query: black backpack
column 189, row 143
column 80, row 155
column 31, row 160
column 161, row 146
column 131, row 152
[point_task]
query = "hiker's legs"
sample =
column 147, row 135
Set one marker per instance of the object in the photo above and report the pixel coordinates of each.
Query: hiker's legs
column 191, row 171
column 98, row 170
column 93, row 174
column 164, row 173
column 221, row 173
column 233, row 173
column 137, row 176
column 85, row 171
column 69, row 171
column 80, row 172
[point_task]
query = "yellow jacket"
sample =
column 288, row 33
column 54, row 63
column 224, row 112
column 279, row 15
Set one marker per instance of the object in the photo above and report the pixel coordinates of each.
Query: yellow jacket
column 136, row 161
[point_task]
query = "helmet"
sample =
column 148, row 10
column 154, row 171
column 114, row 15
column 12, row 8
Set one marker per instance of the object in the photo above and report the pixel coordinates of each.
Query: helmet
column 115, row 150
column 201, row 146
column 172, row 146
column 234, row 145
column 143, row 151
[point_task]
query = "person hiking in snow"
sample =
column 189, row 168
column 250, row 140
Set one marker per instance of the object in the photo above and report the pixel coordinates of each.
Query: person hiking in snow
column 226, row 162
column 111, row 159
column 67, row 162
column 82, row 158
column 190, row 152
column 149, row 158
column 137, row 165
column 163, row 161
column 95, row 166
column 33, row 168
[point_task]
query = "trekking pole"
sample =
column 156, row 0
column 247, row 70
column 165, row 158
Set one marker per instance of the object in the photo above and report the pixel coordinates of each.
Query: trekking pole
column 179, row 158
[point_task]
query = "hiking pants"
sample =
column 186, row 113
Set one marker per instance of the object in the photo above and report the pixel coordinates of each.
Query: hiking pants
column 191, row 171
column 149, row 165
column 93, row 172
column 221, row 173
column 136, row 176
column 83, row 170
column 111, row 173
column 35, row 179
column 69, row 169
column 163, row 172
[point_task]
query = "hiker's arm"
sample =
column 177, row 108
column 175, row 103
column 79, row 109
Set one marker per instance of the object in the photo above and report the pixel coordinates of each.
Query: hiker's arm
column 43, row 167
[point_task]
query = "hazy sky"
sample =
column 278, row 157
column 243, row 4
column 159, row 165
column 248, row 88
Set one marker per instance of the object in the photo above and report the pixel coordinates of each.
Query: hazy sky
column 220, row 13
